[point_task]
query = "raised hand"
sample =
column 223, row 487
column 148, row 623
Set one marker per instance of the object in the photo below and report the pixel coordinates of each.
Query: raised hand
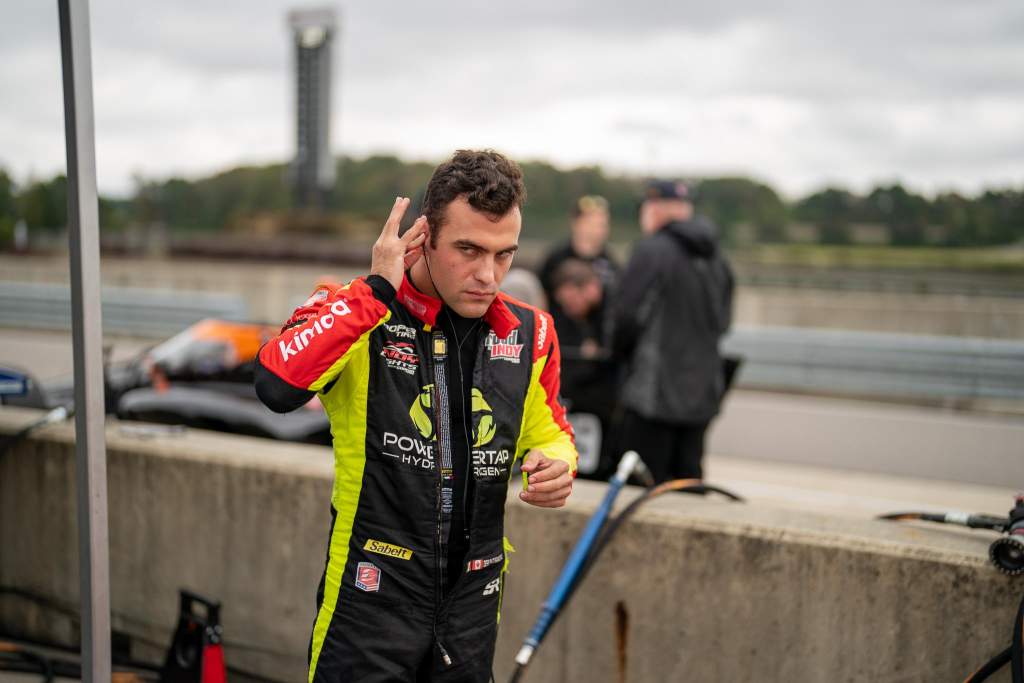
column 393, row 255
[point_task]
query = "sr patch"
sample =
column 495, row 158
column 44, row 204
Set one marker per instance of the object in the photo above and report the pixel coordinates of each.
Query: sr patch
column 368, row 577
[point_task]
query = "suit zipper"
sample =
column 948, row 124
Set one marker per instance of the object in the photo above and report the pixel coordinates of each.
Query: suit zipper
column 445, row 476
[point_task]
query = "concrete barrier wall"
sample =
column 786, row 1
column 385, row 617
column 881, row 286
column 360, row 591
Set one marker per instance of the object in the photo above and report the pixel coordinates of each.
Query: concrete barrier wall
column 693, row 589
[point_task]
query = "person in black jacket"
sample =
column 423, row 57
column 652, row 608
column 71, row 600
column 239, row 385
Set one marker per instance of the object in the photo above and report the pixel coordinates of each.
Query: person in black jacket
column 674, row 304
column 587, row 242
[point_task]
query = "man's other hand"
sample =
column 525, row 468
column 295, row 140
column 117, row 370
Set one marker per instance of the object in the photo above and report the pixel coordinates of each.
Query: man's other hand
column 549, row 482
column 393, row 255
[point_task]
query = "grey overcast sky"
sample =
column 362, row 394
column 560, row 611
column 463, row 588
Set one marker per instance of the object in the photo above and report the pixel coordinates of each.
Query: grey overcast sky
column 799, row 94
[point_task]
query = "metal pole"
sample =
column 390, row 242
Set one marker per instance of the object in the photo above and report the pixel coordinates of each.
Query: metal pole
column 87, row 334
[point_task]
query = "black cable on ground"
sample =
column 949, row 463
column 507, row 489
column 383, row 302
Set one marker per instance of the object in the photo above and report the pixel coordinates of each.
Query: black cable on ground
column 1013, row 654
column 990, row 522
column 15, row 658
column 611, row 527
column 991, row 666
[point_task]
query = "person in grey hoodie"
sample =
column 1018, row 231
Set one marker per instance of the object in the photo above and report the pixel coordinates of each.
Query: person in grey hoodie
column 673, row 306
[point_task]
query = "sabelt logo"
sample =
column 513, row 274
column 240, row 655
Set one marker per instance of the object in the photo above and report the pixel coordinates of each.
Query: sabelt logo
column 389, row 549
column 302, row 339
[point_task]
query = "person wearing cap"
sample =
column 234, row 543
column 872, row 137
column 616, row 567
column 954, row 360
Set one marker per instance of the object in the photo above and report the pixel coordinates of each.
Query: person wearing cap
column 587, row 242
column 673, row 306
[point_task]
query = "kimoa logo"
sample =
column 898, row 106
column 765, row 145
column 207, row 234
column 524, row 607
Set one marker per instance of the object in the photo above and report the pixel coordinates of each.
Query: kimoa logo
column 422, row 413
column 301, row 340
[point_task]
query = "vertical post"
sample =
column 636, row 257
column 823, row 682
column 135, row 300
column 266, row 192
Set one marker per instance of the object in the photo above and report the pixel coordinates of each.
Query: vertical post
column 87, row 331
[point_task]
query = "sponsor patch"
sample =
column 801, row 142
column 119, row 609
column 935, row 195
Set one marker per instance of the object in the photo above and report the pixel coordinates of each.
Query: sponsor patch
column 477, row 565
column 414, row 306
column 301, row 340
column 507, row 349
column 401, row 331
column 389, row 549
column 318, row 296
column 408, row 450
column 492, row 587
column 400, row 356
column 368, row 577
column 489, row 463
column 543, row 334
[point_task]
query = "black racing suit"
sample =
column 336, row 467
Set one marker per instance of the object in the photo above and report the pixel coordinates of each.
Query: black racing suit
column 378, row 360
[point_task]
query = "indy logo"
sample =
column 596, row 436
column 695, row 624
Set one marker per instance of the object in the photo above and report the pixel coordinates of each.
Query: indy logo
column 508, row 349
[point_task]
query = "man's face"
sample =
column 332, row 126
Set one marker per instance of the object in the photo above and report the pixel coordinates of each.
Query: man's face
column 472, row 256
column 655, row 213
column 578, row 300
column 590, row 231
column 650, row 216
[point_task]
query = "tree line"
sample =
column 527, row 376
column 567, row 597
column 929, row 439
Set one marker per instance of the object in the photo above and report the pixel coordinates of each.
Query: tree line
column 748, row 211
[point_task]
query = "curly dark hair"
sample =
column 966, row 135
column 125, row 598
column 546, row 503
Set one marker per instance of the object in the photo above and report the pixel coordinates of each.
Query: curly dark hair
column 490, row 182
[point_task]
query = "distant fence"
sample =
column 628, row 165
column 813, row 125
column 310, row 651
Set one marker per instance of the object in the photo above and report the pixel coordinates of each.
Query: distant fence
column 787, row 358
column 878, row 364
column 127, row 311
column 891, row 280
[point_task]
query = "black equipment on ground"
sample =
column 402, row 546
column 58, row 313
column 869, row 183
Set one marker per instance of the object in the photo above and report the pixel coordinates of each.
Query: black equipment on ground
column 1006, row 552
column 196, row 654
column 1013, row 654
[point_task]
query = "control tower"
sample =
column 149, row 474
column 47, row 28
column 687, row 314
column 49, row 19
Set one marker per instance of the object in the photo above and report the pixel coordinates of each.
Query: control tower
column 312, row 170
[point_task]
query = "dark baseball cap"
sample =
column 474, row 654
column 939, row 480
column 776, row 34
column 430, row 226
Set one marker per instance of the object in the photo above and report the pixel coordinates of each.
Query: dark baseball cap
column 668, row 189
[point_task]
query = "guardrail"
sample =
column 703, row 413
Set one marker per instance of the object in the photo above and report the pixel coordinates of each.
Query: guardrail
column 128, row 311
column 878, row 364
column 796, row 358
column 891, row 280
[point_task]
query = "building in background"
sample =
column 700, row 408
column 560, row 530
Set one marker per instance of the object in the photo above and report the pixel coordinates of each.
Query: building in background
column 312, row 171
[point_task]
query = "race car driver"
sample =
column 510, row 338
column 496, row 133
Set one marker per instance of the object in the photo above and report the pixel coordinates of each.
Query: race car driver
column 434, row 383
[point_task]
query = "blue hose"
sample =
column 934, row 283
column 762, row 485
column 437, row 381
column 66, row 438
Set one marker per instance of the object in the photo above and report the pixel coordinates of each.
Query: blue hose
column 563, row 586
